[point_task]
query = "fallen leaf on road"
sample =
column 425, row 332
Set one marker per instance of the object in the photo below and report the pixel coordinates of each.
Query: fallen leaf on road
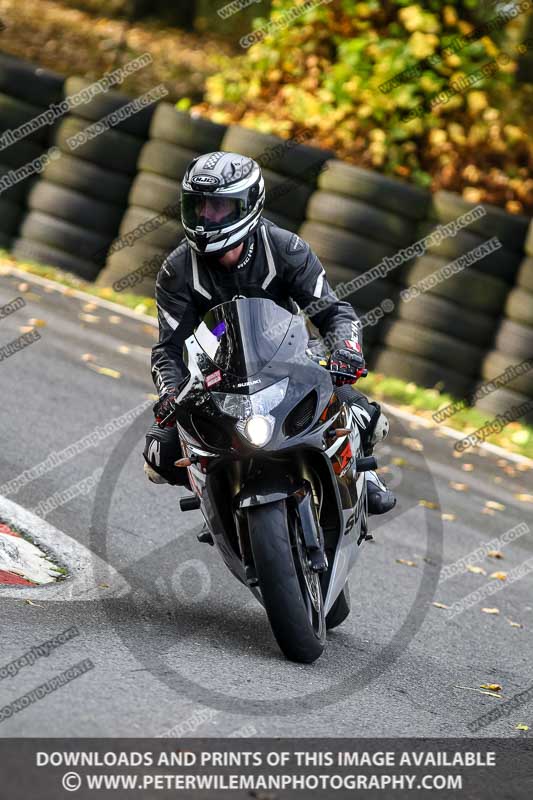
column 412, row 444
column 88, row 357
column 500, row 576
column 89, row 307
column 152, row 331
column 514, row 624
column 399, row 461
column 103, row 586
column 524, row 467
column 481, row 691
column 476, row 570
column 31, row 603
column 37, row 323
column 459, row 487
column 439, row 605
column 468, row 467
column 123, row 348
column 406, row 562
column 111, row 373
column 491, row 610
column 488, row 511
column 521, row 727
column 25, row 328
column 114, row 319
column 90, row 318
column 496, row 506
column 141, row 308
column 495, row 554
column 447, row 516
column 23, row 287
column 428, row 504
column 524, row 498
column 494, row 687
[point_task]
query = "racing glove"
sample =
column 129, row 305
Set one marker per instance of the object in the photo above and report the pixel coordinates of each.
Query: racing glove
column 164, row 406
column 347, row 362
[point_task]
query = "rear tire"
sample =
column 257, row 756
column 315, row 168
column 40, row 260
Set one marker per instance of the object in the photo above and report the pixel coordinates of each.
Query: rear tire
column 282, row 581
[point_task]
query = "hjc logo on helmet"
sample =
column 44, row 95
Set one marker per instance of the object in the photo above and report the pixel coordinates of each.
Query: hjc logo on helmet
column 205, row 180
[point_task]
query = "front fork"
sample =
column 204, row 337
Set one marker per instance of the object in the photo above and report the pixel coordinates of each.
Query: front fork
column 302, row 498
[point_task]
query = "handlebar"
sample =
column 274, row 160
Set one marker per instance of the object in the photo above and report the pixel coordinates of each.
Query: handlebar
column 170, row 417
column 338, row 374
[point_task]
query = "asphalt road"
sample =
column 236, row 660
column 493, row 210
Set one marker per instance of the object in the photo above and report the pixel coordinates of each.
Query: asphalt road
column 186, row 637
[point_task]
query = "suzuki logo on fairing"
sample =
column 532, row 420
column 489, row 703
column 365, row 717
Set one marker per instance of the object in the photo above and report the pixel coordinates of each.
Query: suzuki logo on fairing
column 248, row 383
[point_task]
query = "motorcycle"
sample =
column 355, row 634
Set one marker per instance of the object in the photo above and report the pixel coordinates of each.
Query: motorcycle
column 275, row 463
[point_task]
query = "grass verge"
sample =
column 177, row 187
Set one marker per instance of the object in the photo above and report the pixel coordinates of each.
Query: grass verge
column 143, row 305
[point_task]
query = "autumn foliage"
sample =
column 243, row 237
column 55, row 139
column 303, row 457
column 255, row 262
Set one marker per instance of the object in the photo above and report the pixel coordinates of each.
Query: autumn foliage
column 324, row 69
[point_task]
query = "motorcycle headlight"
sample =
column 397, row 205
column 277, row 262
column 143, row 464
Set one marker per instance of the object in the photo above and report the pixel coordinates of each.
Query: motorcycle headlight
column 258, row 430
column 242, row 406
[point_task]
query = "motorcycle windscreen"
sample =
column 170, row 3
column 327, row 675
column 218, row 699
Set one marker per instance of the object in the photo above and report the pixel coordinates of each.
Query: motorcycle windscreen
column 243, row 336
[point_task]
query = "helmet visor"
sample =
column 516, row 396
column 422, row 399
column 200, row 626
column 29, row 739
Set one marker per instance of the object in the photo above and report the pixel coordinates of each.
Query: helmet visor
column 211, row 211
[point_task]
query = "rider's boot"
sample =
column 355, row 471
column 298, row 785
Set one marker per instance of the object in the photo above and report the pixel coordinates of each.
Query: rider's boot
column 374, row 427
column 380, row 499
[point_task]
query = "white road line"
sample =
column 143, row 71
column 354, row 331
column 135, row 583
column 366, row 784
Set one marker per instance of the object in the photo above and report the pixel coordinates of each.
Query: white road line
column 453, row 434
column 87, row 572
column 28, row 277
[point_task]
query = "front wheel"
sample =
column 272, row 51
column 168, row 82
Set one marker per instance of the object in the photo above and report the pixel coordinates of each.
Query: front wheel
column 290, row 589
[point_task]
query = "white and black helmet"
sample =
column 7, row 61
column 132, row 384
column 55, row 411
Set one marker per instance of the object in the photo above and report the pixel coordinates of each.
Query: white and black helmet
column 221, row 177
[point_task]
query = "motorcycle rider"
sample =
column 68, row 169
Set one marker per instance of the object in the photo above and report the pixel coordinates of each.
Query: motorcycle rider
column 231, row 250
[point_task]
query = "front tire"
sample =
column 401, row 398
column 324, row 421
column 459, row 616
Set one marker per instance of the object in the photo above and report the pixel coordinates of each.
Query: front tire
column 291, row 591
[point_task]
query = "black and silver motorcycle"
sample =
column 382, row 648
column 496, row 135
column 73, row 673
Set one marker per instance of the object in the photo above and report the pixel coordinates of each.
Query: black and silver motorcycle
column 275, row 463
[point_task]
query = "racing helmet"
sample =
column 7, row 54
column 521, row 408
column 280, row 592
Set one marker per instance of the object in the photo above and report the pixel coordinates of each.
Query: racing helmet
column 222, row 198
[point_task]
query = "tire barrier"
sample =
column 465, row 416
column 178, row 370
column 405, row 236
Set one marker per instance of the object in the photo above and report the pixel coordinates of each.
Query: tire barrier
column 513, row 342
column 75, row 210
column 453, row 324
column 25, row 92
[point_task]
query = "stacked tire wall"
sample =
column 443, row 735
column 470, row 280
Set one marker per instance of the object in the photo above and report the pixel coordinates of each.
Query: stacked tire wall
column 25, row 92
column 441, row 336
column 513, row 345
column 354, row 221
column 76, row 208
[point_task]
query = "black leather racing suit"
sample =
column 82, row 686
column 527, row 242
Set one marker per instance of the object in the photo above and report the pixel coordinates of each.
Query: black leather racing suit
column 275, row 264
